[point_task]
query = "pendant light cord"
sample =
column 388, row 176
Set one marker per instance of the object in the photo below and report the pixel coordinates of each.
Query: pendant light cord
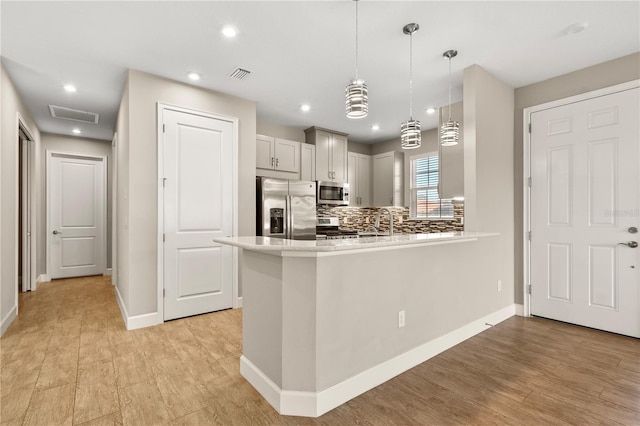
column 411, row 76
column 449, row 88
column 357, row 81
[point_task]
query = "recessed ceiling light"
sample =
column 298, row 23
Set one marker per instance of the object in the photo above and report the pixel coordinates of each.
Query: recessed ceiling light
column 76, row 131
column 229, row 31
column 576, row 28
column 375, row 127
column 430, row 110
column 194, row 76
column 69, row 88
column 305, row 108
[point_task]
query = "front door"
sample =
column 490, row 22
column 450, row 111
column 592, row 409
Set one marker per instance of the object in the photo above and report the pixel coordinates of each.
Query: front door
column 76, row 215
column 198, row 206
column 585, row 212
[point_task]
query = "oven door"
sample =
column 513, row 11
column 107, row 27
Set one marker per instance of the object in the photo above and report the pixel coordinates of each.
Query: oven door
column 333, row 193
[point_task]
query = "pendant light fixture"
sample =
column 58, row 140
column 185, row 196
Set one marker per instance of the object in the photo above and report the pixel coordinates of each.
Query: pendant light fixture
column 356, row 94
column 410, row 136
column 450, row 131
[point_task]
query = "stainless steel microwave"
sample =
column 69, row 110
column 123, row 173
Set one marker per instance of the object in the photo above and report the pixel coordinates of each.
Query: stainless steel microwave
column 333, row 193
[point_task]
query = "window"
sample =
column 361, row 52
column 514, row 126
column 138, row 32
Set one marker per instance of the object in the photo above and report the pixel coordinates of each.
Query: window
column 425, row 200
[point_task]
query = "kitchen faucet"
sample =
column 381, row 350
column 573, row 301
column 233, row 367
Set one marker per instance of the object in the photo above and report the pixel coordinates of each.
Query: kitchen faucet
column 377, row 223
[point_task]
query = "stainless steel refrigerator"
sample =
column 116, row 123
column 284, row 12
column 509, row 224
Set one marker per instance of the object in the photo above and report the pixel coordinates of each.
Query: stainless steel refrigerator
column 286, row 208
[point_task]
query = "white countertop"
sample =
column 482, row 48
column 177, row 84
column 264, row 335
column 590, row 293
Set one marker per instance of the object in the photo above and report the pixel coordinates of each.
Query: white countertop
column 303, row 248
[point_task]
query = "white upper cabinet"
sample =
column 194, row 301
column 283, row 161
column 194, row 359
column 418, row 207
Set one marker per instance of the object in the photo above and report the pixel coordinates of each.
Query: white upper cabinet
column 265, row 152
column 307, row 161
column 277, row 154
column 359, row 178
column 388, row 179
column 331, row 153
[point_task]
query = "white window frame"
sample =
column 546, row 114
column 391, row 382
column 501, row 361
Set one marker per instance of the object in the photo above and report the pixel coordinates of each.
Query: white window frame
column 413, row 189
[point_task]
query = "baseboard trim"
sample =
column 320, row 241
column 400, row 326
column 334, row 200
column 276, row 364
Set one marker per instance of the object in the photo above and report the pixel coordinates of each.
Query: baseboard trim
column 43, row 278
column 136, row 321
column 8, row 319
column 108, row 272
column 519, row 309
column 239, row 302
column 314, row 404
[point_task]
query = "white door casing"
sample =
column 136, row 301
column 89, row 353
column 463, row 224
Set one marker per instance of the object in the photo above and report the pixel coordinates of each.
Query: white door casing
column 198, row 169
column 76, row 215
column 585, row 190
column 29, row 217
column 27, row 283
column 114, row 210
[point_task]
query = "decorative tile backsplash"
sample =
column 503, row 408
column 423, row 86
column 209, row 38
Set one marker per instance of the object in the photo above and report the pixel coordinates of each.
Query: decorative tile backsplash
column 361, row 218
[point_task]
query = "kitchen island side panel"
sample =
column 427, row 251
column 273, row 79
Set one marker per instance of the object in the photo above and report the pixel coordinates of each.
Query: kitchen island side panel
column 262, row 312
column 299, row 307
column 440, row 289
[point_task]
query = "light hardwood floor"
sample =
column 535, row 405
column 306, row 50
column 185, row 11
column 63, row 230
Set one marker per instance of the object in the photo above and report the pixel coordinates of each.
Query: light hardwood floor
column 67, row 359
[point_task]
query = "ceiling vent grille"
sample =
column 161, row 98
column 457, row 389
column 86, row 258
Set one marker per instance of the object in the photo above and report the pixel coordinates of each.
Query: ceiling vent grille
column 73, row 114
column 239, row 74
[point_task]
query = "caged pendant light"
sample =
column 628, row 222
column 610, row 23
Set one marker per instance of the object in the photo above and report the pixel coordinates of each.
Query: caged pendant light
column 356, row 94
column 450, row 131
column 410, row 136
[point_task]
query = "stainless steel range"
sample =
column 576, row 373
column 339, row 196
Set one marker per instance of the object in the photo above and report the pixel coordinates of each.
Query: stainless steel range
column 328, row 228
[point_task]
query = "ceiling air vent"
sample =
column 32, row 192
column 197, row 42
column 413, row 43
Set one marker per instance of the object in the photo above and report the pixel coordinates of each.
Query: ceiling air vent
column 240, row 74
column 73, row 114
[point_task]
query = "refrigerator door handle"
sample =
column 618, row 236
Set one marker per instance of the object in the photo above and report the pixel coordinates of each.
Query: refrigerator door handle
column 287, row 217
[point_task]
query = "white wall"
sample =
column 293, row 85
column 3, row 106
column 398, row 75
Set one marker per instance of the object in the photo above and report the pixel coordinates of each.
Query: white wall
column 144, row 92
column 279, row 131
column 122, row 199
column 10, row 106
column 75, row 145
column 488, row 167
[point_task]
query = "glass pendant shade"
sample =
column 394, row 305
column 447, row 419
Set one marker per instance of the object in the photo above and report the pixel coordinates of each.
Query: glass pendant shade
column 410, row 136
column 450, row 133
column 356, row 99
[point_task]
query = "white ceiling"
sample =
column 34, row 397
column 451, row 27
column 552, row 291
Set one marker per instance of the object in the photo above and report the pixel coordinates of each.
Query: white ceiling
column 299, row 52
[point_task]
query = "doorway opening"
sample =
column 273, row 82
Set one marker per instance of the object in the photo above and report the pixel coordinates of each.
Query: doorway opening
column 25, row 225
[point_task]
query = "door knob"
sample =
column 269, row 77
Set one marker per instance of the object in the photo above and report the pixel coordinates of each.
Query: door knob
column 631, row 244
column 633, row 230
column 56, row 232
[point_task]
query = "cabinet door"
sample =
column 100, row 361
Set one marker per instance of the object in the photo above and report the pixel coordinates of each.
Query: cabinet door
column 323, row 159
column 287, row 154
column 265, row 155
column 307, row 161
column 339, row 158
column 352, row 178
column 383, row 179
column 364, row 180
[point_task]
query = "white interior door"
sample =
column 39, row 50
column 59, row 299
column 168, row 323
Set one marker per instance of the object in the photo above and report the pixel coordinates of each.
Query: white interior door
column 584, row 206
column 198, row 206
column 76, row 215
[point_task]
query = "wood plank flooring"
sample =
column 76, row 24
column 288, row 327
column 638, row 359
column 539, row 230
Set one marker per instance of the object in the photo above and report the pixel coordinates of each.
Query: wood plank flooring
column 67, row 359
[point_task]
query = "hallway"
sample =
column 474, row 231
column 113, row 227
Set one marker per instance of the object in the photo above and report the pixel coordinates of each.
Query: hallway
column 67, row 359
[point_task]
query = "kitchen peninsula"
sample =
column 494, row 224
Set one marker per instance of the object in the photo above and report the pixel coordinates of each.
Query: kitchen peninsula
column 324, row 321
